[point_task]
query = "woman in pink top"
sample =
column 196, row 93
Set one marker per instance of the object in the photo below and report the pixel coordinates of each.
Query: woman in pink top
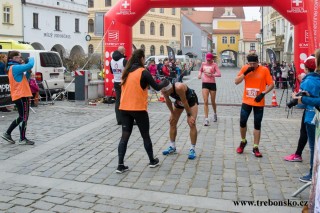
column 208, row 71
column 152, row 68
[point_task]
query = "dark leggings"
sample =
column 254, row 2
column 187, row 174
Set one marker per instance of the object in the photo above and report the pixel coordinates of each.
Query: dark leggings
column 257, row 115
column 303, row 139
column 142, row 120
column 22, row 105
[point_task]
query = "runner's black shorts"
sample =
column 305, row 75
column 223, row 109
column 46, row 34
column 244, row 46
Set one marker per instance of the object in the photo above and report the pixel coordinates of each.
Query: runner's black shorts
column 209, row 86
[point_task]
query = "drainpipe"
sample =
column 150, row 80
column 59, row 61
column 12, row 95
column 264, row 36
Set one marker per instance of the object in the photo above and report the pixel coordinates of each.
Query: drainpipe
column 262, row 44
column 23, row 2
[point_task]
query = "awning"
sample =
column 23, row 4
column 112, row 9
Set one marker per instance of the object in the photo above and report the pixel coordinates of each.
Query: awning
column 191, row 55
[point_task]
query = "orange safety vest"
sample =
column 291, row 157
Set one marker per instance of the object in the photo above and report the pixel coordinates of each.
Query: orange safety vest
column 18, row 89
column 133, row 97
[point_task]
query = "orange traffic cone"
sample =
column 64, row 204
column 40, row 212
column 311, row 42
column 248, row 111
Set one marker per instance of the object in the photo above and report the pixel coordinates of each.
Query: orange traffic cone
column 274, row 99
column 161, row 99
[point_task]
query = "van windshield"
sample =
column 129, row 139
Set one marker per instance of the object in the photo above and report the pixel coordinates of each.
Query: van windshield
column 50, row 60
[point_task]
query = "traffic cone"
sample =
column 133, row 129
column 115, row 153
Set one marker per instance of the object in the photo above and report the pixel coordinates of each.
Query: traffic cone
column 161, row 99
column 274, row 99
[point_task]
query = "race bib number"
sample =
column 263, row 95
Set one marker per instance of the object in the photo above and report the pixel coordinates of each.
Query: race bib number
column 252, row 92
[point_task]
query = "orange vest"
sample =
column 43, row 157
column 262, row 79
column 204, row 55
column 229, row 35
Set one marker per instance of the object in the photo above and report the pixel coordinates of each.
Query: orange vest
column 133, row 97
column 18, row 89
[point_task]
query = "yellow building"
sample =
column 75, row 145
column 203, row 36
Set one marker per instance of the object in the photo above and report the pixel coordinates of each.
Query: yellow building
column 159, row 28
column 226, row 33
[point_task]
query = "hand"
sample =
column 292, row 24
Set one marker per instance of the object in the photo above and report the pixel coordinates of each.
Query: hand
column 250, row 69
column 191, row 121
column 199, row 76
column 259, row 97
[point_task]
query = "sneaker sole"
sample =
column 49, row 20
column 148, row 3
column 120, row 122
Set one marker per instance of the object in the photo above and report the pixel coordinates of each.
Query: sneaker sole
column 304, row 181
column 171, row 153
column 293, row 160
column 154, row 166
column 123, row 171
column 10, row 141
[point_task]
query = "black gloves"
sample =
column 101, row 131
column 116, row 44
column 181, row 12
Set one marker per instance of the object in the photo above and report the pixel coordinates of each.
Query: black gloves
column 250, row 69
column 259, row 97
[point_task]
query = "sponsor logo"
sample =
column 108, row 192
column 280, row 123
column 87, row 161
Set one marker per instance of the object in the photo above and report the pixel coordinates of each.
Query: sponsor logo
column 125, row 8
column 297, row 6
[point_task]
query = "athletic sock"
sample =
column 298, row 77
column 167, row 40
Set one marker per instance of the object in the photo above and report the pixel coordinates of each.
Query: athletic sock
column 255, row 145
column 193, row 146
column 243, row 140
column 173, row 144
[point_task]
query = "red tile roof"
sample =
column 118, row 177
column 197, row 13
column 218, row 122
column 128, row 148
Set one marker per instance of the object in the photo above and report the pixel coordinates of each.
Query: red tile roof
column 250, row 29
column 199, row 17
column 237, row 11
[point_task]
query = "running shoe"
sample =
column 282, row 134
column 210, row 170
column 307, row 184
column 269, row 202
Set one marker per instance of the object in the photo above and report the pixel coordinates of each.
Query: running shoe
column 8, row 138
column 26, row 142
column 192, row 154
column 170, row 150
column 241, row 147
column 307, row 178
column 121, row 169
column 206, row 122
column 154, row 163
column 215, row 118
column 256, row 152
column 293, row 158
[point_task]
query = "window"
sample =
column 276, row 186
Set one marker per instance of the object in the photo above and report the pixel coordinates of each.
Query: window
column 161, row 50
column 76, row 25
column 187, row 40
column 107, row 3
column 232, row 40
column 224, row 40
column 91, row 3
column 152, row 31
column 90, row 49
column 252, row 46
column 50, row 60
column 57, row 23
column 161, row 10
column 152, row 10
column 173, row 11
column 173, row 31
column 161, row 30
column 90, row 26
column 143, row 47
column 152, row 50
column 7, row 15
column 142, row 27
column 35, row 21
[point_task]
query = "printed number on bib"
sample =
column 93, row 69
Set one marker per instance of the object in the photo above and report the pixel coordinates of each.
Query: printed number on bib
column 180, row 103
column 252, row 92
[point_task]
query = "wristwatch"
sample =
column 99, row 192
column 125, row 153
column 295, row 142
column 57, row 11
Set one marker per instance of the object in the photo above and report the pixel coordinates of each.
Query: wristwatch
column 188, row 114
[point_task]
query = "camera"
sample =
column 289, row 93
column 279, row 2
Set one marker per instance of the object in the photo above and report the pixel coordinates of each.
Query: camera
column 294, row 102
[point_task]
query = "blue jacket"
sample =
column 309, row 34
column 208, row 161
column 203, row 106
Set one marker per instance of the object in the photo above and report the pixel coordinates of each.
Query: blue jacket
column 311, row 84
column 2, row 68
column 310, row 101
column 19, row 69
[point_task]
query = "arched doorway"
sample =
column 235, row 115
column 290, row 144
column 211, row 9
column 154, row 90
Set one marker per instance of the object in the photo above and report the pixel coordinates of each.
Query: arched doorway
column 76, row 51
column 228, row 58
column 59, row 49
column 37, row 46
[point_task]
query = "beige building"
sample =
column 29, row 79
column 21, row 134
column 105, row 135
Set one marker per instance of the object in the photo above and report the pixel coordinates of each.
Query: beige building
column 11, row 20
column 159, row 28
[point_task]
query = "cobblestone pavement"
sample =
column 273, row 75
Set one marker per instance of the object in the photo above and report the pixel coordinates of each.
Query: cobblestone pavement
column 71, row 167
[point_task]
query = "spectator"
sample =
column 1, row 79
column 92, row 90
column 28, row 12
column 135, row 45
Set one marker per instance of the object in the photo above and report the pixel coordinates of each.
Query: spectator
column 133, row 106
column 20, row 94
column 152, row 68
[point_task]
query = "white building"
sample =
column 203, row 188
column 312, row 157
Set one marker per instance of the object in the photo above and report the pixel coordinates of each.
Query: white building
column 59, row 25
column 10, row 20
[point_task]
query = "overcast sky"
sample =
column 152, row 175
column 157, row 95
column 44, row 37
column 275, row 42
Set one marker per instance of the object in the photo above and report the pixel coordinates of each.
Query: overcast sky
column 251, row 13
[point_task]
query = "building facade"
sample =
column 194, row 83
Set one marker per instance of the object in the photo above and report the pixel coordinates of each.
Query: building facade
column 249, row 41
column 56, row 25
column 226, row 33
column 277, row 35
column 159, row 28
column 11, row 26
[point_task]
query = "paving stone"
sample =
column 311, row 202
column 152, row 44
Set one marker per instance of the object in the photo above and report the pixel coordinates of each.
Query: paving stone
column 20, row 209
column 5, row 206
column 56, row 200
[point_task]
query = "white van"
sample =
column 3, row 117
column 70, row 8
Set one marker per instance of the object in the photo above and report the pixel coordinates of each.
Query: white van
column 47, row 67
column 182, row 58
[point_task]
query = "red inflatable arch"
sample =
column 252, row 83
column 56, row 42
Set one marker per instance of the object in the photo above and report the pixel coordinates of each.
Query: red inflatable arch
column 118, row 22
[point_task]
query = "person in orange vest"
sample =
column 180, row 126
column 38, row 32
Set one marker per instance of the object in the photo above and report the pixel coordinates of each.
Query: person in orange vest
column 255, row 78
column 133, row 106
column 20, row 93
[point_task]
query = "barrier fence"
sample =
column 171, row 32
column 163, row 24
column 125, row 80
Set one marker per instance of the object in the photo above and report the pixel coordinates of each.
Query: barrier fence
column 5, row 98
